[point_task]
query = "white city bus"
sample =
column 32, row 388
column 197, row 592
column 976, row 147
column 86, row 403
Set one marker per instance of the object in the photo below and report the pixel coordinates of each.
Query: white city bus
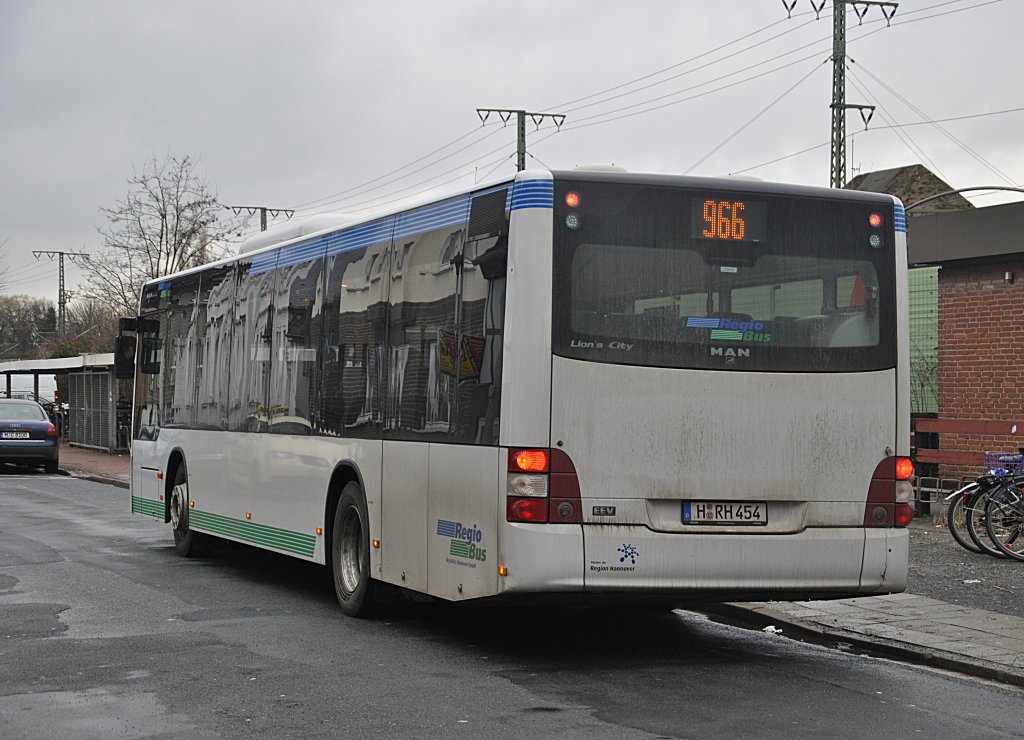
column 575, row 383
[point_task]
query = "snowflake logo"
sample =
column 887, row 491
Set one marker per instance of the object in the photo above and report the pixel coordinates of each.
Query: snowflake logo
column 628, row 553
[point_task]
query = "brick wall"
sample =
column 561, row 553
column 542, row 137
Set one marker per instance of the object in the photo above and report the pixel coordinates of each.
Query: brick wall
column 981, row 354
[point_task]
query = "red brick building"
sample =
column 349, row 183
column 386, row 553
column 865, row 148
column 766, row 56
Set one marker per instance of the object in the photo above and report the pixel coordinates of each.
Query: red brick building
column 980, row 253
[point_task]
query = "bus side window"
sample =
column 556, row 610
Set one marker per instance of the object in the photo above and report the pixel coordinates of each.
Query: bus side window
column 151, row 355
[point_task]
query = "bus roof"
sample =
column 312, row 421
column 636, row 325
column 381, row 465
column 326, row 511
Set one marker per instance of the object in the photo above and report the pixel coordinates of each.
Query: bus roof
column 322, row 224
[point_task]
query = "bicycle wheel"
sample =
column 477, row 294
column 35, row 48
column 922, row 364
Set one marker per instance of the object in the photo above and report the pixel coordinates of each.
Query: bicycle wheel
column 1004, row 520
column 956, row 518
column 975, row 511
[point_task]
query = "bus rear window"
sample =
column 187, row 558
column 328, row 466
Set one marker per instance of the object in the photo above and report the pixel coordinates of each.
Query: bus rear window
column 633, row 285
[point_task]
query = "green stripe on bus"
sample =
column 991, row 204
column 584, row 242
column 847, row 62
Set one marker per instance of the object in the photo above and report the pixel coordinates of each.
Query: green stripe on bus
column 257, row 534
column 459, row 549
column 148, row 508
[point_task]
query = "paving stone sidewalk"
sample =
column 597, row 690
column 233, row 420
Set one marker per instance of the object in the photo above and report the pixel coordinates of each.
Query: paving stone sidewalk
column 905, row 626
column 82, row 462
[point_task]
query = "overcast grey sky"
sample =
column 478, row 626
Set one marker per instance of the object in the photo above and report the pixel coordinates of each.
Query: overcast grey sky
column 307, row 104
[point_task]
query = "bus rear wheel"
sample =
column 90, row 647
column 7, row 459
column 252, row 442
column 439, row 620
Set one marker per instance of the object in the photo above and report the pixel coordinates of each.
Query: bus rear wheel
column 188, row 543
column 350, row 553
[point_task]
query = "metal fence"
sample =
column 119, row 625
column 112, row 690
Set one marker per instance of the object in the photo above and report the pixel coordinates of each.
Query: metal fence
column 92, row 411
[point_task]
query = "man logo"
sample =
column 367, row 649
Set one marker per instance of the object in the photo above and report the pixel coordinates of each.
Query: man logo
column 729, row 352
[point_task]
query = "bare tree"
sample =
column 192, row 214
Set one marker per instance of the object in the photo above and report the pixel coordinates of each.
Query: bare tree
column 24, row 321
column 92, row 325
column 169, row 221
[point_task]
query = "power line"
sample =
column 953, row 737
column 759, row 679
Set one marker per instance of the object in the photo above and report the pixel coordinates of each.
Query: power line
column 695, row 69
column 906, row 138
column 875, row 129
column 308, row 204
column 330, row 199
column 32, row 267
column 593, row 119
column 978, row 157
column 736, row 133
column 324, row 203
column 586, row 122
column 356, row 206
column 608, row 116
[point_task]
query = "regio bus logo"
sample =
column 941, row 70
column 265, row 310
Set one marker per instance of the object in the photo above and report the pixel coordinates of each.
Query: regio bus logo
column 729, row 352
column 465, row 542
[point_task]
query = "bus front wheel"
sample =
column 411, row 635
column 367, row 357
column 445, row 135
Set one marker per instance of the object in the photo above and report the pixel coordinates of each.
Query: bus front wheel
column 350, row 553
column 188, row 543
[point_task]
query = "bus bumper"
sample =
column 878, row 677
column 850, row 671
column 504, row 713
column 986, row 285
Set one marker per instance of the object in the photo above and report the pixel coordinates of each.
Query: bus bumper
column 813, row 564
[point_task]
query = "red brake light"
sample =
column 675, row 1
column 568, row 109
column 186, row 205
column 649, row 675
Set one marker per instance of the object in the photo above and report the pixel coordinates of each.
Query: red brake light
column 904, row 468
column 904, row 514
column 572, row 199
column 526, row 510
column 51, row 431
column 875, row 219
column 528, row 461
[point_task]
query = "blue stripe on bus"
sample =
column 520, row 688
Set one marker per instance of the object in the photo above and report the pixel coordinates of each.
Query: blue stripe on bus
column 438, row 216
column 533, row 194
column 445, row 528
column 901, row 218
column 418, row 221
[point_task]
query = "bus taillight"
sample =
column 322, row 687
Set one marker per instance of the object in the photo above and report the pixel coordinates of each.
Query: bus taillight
column 904, row 468
column 890, row 496
column 528, row 461
column 542, row 487
column 526, row 509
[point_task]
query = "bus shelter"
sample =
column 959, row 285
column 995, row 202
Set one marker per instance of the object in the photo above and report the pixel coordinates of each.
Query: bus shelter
column 90, row 415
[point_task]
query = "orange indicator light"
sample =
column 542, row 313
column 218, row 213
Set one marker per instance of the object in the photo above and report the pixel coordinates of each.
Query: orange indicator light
column 248, row 515
column 376, row 544
column 159, row 475
column 191, row 504
column 531, row 461
column 319, row 531
column 875, row 219
column 502, row 570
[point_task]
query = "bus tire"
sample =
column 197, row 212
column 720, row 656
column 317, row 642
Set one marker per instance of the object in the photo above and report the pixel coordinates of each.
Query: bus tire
column 188, row 543
column 350, row 553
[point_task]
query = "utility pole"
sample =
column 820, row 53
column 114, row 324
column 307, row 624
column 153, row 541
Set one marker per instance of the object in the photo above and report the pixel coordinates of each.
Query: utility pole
column 264, row 210
column 62, row 295
column 837, row 177
column 505, row 114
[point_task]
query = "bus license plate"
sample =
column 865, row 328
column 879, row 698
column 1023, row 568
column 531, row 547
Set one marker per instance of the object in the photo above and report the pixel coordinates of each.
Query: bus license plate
column 15, row 435
column 725, row 512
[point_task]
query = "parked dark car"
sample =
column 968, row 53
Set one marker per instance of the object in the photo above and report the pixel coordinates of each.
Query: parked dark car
column 27, row 435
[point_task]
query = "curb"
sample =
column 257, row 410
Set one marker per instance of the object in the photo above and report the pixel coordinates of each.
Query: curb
column 820, row 635
column 95, row 478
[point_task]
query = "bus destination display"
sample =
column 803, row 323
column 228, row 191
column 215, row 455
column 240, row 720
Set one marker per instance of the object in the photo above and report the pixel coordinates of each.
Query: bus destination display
column 722, row 218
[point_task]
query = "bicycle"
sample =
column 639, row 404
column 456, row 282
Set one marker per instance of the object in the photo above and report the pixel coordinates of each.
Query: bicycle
column 967, row 517
column 957, row 514
column 1004, row 520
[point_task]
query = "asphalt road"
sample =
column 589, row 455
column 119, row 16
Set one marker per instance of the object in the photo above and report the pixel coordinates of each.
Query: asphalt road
column 106, row 632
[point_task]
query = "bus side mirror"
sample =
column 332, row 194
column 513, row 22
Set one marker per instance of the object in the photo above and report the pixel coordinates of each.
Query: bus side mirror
column 124, row 357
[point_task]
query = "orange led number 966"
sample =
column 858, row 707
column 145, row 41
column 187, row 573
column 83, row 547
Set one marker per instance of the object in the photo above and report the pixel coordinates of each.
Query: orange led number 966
column 724, row 219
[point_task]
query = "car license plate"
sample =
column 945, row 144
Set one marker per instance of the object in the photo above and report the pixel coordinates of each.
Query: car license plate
column 725, row 512
column 14, row 435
